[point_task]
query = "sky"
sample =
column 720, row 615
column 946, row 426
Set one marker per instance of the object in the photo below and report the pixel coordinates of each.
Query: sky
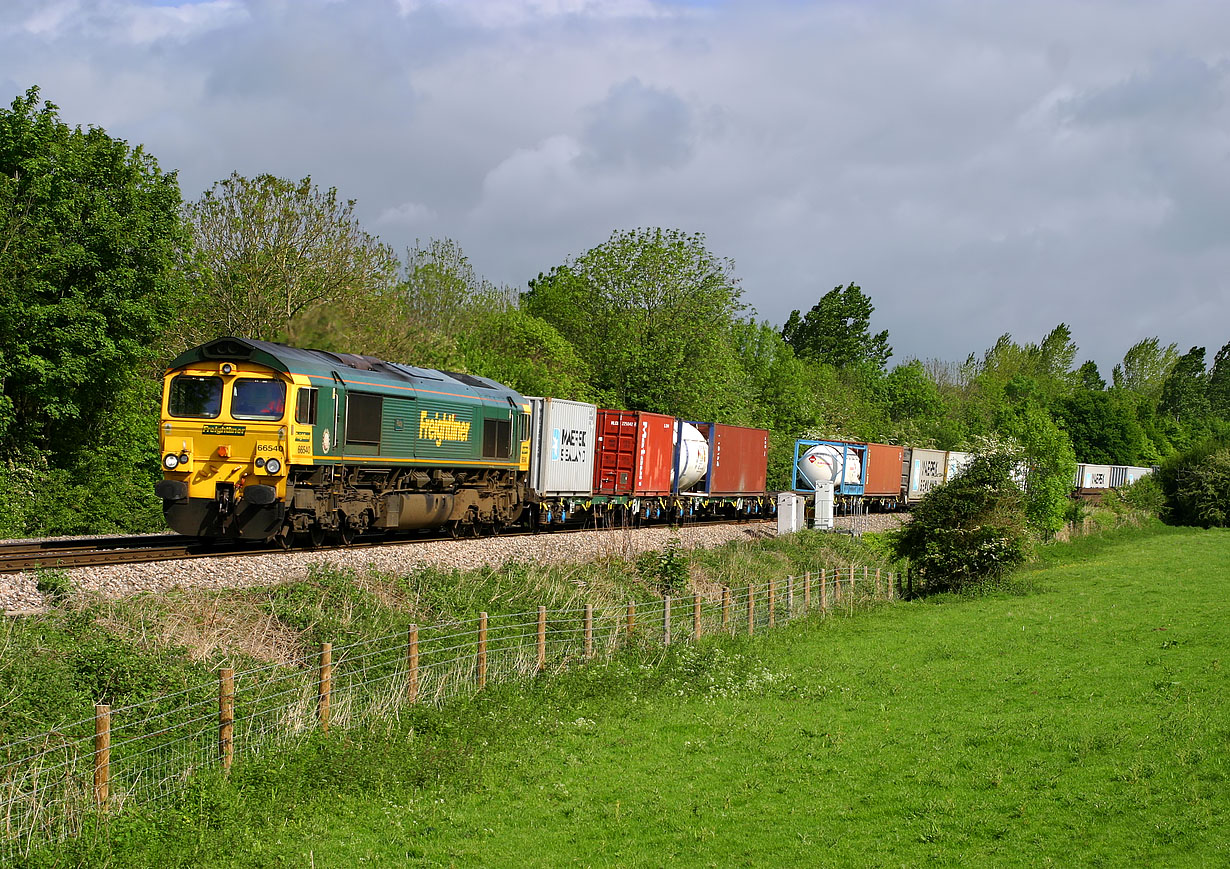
column 976, row 166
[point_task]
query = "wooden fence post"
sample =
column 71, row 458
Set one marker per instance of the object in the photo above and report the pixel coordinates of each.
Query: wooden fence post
column 482, row 650
column 412, row 664
column 589, row 631
column 772, row 600
column 102, row 754
column 807, row 592
column 666, row 620
column 725, row 608
column 325, row 691
column 866, row 577
column 824, row 590
column 789, row 598
column 751, row 609
column 879, row 593
column 696, row 616
column 542, row 638
column 631, row 618
column 226, row 718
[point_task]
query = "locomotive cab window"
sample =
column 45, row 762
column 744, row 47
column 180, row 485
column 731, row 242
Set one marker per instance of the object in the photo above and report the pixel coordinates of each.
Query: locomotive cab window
column 195, row 397
column 497, row 438
column 258, row 399
column 363, row 414
column 305, row 407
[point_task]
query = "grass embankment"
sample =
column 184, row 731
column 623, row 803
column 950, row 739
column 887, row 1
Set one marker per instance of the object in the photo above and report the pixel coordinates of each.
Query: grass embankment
column 1087, row 723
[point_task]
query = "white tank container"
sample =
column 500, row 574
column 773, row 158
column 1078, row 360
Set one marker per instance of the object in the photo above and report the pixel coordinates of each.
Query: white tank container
column 823, row 464
column 693, row 456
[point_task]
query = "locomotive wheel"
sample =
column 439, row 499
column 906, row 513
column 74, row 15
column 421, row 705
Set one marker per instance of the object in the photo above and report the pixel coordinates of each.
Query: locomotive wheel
column 317, row 535
column 345, row 533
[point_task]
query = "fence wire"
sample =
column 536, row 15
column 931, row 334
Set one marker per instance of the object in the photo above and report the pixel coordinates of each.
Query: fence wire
column 51, row 783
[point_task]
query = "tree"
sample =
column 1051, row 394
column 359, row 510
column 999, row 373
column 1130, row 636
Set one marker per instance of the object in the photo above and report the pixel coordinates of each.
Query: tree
column 837, row 331
column 1102, row 428
column 911, row 394
column 1219, row 383
column 1185, row 390
column 270, row 249
column 1144, row 368
column 527, row 354
column 90, row 237
column 967, row 531
column 1089, row 377
column 1047, row 457
column 651, row 311
column 1196, row 484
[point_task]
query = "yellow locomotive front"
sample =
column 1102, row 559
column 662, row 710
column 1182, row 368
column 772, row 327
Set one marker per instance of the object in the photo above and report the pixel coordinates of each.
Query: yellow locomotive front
column 226, row 446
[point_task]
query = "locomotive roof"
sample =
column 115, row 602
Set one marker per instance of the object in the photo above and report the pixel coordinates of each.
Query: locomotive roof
column 320, row 363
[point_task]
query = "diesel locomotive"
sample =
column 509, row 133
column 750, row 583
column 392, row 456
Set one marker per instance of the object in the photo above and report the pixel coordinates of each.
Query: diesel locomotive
column 267, row 442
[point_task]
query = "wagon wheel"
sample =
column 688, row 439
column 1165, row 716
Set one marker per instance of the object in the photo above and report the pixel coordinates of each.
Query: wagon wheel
column 317, row 535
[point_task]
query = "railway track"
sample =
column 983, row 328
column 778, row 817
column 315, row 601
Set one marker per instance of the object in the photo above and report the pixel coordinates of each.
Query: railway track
column 93, row 551
column 26, row 555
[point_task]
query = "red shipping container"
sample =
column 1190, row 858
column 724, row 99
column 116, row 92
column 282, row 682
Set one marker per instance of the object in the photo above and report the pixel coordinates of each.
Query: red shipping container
column 635, row 453
column 882, row 476
column 738, row 459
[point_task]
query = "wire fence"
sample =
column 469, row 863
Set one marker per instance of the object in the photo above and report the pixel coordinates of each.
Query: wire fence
column 52, row 783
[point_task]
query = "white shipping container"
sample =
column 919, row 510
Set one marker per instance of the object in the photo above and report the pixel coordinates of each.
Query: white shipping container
column 926, row 472
column 956, row 463
column 1095, row 477
column 562, row 447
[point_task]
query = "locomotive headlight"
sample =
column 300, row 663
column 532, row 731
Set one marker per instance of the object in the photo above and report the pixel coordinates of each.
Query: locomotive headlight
column 272, row 466
column 260, row 463
column 183, row 458
column 227, row 368
column 170, row 461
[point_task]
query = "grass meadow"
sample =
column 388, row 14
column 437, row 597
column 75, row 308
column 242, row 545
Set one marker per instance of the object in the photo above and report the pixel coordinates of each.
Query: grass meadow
column 1081, row 719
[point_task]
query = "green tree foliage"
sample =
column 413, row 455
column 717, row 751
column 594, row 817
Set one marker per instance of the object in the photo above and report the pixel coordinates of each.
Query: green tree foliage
column 837, row 331
column 967, row 531
column 1088, row 376
column 911, row 394
column 1102, row 427
column 651, row 310
column 1196, row 484
column 1219, row 384
column 90, row 241
column 526, row 354
column 270, row 249
column 1144, row 368
column 1047, row 457
column 1185, row 390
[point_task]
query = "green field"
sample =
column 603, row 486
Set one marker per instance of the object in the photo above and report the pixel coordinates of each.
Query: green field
column 1085, row 723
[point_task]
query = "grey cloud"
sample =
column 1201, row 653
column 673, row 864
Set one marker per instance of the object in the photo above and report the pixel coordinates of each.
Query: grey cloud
column 972, row 170
column 637, row 127
column 1173, row 88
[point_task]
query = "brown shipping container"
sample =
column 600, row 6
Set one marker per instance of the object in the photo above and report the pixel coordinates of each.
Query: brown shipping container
column 882, row 477
column 635, row 453
column 739, row 458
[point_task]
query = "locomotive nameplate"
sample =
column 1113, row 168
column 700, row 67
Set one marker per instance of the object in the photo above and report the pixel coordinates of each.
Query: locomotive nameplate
column 233, row 430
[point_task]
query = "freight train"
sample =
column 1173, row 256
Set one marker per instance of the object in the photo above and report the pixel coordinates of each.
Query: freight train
column 262, row 441
column 267, row 442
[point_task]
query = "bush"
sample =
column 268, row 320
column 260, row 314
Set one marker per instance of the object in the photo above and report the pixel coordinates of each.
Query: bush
column 667, row 569
column 1196, row 485
column 967, row 531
